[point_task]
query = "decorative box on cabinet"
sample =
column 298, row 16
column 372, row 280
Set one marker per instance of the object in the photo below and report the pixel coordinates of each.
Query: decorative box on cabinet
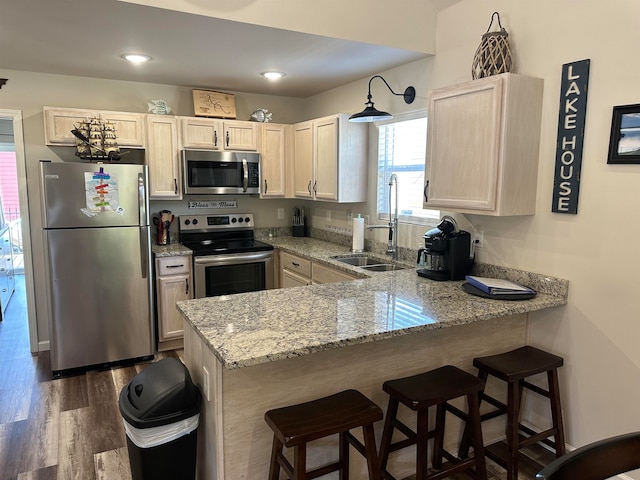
column 330, row 159
column 173, row 284
column 163, row 158
column 211, row 134
column 58, row 123
column 483, row 144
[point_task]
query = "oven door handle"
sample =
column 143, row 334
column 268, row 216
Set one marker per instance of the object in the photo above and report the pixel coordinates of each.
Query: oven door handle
column 245, row 175
column 232, row 258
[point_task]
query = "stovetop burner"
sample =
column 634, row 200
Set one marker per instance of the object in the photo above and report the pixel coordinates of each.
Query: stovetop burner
column 219, row 234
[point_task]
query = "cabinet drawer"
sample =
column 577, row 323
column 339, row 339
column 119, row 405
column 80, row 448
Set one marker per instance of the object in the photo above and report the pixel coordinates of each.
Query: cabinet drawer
column 296, row 264
column 173, row 265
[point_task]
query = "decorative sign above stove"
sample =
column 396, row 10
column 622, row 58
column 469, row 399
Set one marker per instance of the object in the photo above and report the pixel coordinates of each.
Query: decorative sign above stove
column 213, row 204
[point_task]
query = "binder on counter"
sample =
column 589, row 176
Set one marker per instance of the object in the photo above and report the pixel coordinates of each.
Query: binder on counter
column 498, row 286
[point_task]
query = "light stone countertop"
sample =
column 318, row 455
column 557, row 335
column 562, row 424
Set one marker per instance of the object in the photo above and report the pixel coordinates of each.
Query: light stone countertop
column 258, row 327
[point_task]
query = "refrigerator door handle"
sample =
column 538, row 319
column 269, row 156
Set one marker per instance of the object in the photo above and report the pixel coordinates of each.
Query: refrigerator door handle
column 142, row 212
column 144, row 251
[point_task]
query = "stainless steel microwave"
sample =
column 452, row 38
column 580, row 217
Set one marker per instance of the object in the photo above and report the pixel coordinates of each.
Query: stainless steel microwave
column 206, row 172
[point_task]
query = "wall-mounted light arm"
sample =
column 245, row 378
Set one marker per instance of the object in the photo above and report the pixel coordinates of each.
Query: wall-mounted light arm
column 371, row 114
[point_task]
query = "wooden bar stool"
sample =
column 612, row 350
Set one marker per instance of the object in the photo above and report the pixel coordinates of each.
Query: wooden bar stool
column 296, row 425
column 419, row 392
column 514, row 367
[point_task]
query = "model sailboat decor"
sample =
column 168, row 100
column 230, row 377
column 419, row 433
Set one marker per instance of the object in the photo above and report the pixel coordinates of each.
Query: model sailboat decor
column 96, row 140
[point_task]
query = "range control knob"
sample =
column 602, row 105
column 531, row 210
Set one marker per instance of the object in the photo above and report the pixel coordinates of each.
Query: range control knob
column 195, row 221
column 247, row 219
column 187, row 221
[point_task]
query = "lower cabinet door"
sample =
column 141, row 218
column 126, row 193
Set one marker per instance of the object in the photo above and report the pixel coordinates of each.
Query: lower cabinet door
column 171, row 290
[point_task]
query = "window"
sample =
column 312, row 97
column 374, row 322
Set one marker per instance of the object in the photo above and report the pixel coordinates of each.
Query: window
column 402, row 144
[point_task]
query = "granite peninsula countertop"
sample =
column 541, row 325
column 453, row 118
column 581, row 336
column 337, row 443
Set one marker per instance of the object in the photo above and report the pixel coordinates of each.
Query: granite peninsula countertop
column 258, row 327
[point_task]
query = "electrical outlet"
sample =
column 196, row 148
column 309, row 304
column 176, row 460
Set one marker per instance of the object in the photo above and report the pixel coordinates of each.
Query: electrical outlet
column 280, row 213
column 205, row 383
column 328, row 215
column 478, row 239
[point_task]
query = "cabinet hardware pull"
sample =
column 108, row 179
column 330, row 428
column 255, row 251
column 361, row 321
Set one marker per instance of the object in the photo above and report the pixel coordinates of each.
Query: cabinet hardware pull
column 186, row 280
column 227, row 137
column 295, row 264
column 315, row 187
column 215, row 138
column 426, row 187
column 175, row 186
column 175, row 266
column 265, row 186
column 309, row 187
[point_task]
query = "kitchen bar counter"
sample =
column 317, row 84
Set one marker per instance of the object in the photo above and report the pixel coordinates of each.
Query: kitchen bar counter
column 257, row 327
column 255, row 351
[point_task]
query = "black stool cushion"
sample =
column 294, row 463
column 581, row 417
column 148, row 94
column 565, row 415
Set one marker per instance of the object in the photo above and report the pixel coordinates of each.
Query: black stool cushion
column 433, row 387
column 519, row 363
column 304, row 422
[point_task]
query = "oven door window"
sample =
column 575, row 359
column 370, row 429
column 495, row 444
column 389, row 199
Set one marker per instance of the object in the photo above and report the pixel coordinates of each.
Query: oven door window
column 238, row 278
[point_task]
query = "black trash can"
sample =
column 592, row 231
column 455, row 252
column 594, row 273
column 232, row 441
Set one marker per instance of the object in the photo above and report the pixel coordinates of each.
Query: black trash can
column 160, row 408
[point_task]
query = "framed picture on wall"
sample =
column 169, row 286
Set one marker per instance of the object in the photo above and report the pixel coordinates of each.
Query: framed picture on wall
column 624, row 143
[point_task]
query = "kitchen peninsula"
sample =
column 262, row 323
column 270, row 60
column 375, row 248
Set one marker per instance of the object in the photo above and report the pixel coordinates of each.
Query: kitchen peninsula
column 255, row 351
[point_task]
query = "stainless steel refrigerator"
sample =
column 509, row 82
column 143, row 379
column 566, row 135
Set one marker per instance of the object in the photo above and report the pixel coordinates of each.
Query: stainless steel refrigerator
column 98, row 263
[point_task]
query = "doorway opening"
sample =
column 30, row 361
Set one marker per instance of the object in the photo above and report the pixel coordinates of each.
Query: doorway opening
column 16, row 279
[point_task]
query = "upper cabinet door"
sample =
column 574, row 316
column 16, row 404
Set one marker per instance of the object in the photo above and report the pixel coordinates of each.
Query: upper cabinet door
column 272, row 160
column 326, row 144
column 240, row 135
column 163, row 158
column 483, row 145
column 201, row 133
column 303, row 160
column 58, row 123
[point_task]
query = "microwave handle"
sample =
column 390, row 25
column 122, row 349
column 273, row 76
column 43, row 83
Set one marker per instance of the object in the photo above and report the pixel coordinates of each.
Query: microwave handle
column 245, row 175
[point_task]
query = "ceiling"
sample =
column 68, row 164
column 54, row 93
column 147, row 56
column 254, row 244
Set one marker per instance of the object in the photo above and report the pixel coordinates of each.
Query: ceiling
column 86, row 38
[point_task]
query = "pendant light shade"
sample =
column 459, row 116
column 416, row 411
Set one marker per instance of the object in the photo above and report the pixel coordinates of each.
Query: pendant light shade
column 371, row 114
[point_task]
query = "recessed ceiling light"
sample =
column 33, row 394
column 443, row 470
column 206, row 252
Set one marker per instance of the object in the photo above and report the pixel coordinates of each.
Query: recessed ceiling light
column 136, row 57
column 272, row 75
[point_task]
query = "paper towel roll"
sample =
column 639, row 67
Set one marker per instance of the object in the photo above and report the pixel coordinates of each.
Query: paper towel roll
column 358, row 234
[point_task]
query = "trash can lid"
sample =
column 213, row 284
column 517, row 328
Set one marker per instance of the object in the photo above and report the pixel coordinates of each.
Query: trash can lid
column 161, row 394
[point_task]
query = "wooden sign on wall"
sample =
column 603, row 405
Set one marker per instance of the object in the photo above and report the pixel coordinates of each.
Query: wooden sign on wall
column 571, row 120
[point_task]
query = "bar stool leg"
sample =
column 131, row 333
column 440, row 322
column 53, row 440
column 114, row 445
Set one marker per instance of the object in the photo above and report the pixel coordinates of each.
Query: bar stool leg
column 465, row 443
column 387, row 433
column 422, row 432
column 556, row 412
column 373, row 465
column 344, row 457
column 473, row 402
column 513, row 427
column 438, row 441
column 299, row 461
column 274, row 468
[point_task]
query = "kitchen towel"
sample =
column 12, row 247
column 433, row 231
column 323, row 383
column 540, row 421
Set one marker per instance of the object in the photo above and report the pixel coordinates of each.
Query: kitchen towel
column 358, row 234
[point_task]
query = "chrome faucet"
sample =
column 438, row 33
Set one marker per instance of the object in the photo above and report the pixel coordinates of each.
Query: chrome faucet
column 392, row 245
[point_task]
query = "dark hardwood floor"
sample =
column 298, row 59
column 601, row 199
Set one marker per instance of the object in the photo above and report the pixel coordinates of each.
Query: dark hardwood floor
column 70, row 428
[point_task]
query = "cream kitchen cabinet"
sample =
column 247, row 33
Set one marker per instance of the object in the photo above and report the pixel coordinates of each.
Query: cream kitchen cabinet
column 211, row 134
column 330, row 159
column 273, row 159
column 163, row 158
column 483, row 144
column 296, row 271
column 58, row 123
column 173, row 284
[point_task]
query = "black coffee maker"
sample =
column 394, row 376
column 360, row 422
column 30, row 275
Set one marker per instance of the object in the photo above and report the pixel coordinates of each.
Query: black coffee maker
column 447, row 252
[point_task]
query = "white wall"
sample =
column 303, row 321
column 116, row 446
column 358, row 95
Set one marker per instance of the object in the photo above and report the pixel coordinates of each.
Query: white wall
column 598, row 332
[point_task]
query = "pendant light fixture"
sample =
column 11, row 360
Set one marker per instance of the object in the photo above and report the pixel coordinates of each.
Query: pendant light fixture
column 371, row 114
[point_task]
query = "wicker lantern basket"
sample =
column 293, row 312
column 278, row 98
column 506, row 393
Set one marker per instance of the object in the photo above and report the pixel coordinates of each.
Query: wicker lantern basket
column 493, row 56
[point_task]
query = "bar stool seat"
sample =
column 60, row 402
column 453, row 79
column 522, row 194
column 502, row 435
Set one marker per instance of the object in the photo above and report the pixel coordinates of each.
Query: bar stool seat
column 296, row 425
column 514, row 367
column 419, row 392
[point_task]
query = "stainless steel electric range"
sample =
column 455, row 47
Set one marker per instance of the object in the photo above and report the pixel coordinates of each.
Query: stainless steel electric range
column 227, row 259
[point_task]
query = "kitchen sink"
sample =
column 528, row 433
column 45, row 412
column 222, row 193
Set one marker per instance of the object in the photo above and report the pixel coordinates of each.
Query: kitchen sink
column 383, row 267
column 370, row 264
column 360, row 261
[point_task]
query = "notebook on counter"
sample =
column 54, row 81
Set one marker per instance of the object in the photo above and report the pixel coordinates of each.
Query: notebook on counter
column 498, row 286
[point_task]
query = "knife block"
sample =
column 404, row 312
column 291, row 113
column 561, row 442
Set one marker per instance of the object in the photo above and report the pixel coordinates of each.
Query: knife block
column 299, row 231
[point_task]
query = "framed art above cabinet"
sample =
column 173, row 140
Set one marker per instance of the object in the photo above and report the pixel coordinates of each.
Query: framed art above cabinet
column 483, row 145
